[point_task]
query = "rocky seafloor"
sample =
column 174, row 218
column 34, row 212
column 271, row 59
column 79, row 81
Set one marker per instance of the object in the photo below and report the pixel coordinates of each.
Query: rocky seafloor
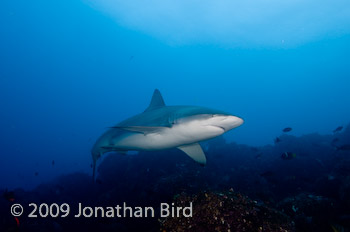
column 242, row 188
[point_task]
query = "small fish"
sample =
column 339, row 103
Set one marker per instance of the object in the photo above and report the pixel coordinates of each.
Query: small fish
column 338, row 129
column 36, row 173
column 287, row 129
column 345, row 147
column 288, row 155
column 53, row 163
column 277, row 140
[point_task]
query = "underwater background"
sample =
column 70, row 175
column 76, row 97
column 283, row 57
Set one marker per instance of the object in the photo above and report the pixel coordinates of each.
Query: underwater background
column 71, row 69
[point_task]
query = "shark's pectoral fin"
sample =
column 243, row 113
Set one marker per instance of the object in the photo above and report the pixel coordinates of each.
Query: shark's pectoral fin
column 141, row 129
column 195, row 152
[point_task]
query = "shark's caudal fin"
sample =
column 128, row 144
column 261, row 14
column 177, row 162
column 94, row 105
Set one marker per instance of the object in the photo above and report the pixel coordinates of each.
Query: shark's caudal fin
column 195, row 152
column 156, row 102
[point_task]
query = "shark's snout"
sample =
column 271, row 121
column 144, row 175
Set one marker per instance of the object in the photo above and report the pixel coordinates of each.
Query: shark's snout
column 229, row 122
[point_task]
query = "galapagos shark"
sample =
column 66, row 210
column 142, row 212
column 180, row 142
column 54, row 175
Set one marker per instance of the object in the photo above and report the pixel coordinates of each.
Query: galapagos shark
column 162, row 127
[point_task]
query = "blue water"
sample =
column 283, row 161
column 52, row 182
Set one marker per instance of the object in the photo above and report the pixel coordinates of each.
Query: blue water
column 69, row 70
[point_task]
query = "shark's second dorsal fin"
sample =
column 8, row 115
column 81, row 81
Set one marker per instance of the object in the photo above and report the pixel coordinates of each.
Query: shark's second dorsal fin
column 156, row 102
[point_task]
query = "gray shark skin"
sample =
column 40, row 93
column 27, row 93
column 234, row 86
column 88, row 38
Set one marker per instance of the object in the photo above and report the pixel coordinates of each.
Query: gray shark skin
column 162, row 127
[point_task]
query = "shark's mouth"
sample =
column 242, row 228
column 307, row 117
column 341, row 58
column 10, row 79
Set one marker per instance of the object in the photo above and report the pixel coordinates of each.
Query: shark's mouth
column 220, row 127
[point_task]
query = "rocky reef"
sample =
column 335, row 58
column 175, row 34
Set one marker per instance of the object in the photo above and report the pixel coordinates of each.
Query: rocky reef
column 226, row 211
column 310, row 192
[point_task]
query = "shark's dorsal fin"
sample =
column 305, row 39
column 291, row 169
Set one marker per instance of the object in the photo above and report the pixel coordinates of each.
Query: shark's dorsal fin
column 156, row 102
column 194, row 151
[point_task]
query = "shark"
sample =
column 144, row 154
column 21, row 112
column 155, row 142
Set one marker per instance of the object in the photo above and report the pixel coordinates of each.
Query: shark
column 162, row 127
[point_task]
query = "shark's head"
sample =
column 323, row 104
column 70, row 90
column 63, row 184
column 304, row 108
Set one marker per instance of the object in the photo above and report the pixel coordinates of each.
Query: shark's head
column 209, row 117
column 203, row 123
column 223, row 121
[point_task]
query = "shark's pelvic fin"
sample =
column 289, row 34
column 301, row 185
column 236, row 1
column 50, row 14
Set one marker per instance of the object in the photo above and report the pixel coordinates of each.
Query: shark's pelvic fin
column 195, row 152
column 141, row 129
column 156, row 102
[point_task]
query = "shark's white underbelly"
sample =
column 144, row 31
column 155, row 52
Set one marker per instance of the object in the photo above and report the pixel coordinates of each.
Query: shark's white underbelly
column 175, row 136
